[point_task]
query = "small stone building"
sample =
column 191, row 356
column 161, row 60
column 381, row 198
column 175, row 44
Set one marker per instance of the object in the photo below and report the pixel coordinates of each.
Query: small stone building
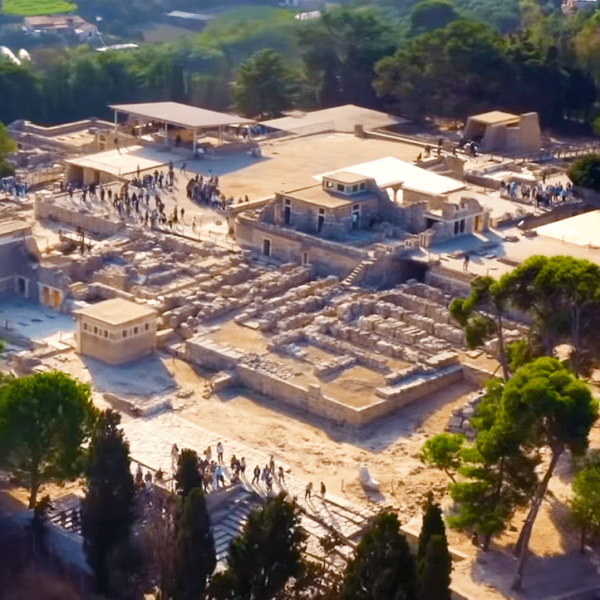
column 115, row 331
column 498, row 131
column 343, row 202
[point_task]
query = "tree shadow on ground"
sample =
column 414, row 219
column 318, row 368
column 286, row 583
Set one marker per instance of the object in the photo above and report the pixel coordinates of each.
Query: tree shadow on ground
column 546, row 577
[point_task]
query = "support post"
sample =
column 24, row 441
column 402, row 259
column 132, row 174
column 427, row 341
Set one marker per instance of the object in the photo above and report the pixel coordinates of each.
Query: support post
column 166, row 135
column 116, row 113
column 194, row 141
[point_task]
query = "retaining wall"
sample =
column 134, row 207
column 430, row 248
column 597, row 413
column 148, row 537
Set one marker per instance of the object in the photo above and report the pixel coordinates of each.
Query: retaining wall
column 214, row 356
column 46, row 208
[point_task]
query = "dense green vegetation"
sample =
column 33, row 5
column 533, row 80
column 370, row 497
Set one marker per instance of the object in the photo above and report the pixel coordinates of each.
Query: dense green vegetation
column 585, row 172
column 30, row 8
column 432, row 58
column 7, row 145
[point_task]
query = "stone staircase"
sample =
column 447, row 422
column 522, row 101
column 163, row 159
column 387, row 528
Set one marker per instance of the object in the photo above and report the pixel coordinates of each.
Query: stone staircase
column 360, row 270
column 319, row 517
column 228, row 520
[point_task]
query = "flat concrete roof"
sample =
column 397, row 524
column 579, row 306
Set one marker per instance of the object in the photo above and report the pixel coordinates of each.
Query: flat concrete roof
column 328, row 199
column 182, row 115
column 116, row 311
column 346, row 177
column 8, row 227
column 119, row 163
column 339, row 118
column 496, row 117
column 389, row 170
column 286, row 164
column 581, row 230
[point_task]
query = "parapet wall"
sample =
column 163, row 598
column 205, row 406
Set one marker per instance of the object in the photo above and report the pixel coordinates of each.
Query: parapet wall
column 47, row 208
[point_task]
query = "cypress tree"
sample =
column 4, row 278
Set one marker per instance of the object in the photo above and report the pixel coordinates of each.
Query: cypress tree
column 433, row 524
column 435, row 569
column 187, row 476
column 195, row 555
column 108, row 507
column 383, row 567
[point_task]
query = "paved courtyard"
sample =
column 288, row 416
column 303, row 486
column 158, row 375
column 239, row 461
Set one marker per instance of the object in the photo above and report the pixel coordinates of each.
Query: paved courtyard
column 151, row 441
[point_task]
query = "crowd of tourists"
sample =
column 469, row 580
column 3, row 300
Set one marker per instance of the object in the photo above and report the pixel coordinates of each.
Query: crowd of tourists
column 205, row 190
column 14, row 186
column 540, row 193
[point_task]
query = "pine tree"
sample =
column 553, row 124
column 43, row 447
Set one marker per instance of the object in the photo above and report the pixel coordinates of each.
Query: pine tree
column 195, row 551
column 187, row 476
column 108, row 507
column 383, row 567
column 435, row 569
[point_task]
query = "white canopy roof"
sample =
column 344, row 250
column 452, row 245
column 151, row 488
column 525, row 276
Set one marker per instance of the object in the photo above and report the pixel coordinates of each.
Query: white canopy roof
column 389, row 171
column 182, row 115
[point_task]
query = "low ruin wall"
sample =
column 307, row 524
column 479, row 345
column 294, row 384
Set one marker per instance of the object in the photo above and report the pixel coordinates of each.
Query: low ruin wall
column 211, row 355
column 47, row 208
column 559, row 212
column 453, row 282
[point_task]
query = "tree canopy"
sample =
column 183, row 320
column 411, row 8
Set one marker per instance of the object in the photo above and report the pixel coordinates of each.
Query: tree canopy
column 262, row 86
column 45, row 419
column 108, row 507
column 585, row 500
column 187, row 476
column 585, row 172
column 429, row 15
column 383, row 567
column 7, row 145
column 195, row 557
column 263, row 558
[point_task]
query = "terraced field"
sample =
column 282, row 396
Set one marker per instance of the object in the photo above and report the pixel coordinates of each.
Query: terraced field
column 31, row 8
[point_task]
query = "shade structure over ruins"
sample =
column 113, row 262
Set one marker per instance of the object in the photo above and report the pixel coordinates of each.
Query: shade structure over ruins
column 185, row 116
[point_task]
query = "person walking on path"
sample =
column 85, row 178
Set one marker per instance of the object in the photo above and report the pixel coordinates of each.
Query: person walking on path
column 265, row 473
column 281, row 475
column 243, row 466
column 220, row 451
column 272, row 464
column 466, row 263
column 323, row 490
column 308, row 491
column 219, row 475
column 256, row 477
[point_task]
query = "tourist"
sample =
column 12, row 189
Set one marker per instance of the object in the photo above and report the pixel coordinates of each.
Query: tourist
column 265, row 473
column 269, row 483
column 308, row 491
column 220, row 451
column 281, row 475
column 243, row 466
column 219, row 476
column 256, row 475
column 272, row 464
column 466, row 263
column 323, row 490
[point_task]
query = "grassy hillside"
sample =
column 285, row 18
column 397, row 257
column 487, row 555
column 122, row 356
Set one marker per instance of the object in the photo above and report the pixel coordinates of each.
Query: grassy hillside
column 31, row 8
